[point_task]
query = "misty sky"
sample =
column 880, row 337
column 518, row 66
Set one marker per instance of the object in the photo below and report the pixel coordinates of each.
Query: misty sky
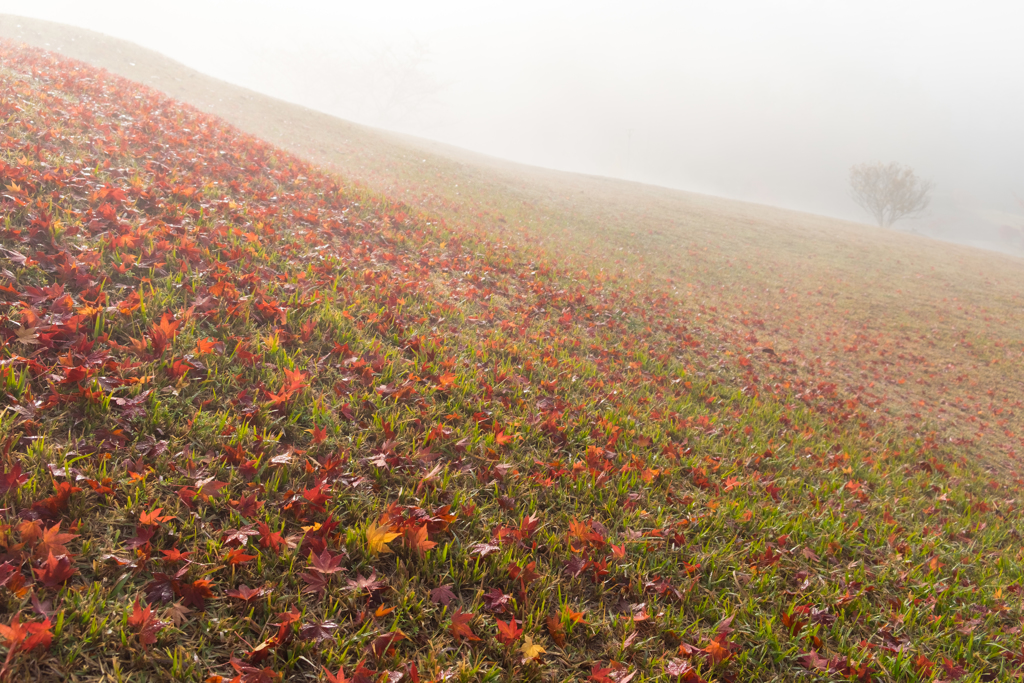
column 765, row 101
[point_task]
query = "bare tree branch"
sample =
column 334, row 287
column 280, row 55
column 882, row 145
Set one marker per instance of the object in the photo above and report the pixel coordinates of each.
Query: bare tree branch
column 889, row 192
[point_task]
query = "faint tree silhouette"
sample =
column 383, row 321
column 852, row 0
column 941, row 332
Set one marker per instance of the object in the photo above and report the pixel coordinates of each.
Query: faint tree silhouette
column 889, row 192
column 398, row 84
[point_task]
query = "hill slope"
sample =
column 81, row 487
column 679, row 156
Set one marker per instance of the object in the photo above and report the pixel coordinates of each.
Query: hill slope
column 911, row 331
column 256, row 422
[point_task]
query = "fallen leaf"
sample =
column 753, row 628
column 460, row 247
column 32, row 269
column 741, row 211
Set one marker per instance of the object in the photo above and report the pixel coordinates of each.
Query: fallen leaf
column 530, row 649
column 442, row 595
column 418, row 540
column 556, row 630
column 508, row 633
column 460, row 625
column 56, row 571
column 378, row 536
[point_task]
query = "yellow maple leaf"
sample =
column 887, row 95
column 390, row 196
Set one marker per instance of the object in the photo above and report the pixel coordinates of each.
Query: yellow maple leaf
column 530, row 649
column 378, row 536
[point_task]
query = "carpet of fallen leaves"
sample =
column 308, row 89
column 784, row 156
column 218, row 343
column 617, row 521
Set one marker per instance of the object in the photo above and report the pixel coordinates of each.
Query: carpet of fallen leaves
column 259, row 426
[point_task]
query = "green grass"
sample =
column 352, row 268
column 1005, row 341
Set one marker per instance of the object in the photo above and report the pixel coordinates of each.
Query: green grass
column 367, row 364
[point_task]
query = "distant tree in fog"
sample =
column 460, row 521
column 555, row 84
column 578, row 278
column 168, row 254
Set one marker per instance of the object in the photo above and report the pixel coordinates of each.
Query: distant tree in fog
column 889, row 192
column 397, row 83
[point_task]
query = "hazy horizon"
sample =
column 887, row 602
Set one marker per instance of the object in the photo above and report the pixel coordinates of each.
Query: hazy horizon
column 767, row 103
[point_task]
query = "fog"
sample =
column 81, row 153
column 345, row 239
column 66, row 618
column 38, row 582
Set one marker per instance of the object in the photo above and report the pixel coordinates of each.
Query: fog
column 768, row 102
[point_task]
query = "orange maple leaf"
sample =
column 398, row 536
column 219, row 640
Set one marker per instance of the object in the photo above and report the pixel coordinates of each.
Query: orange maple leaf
column 718, row 650
column 556, row 630
column 575, row 617
column 208, row 346
column 501, row 438
column 295, row 381
column 153, row 518
column 277, row 400
column 163, row 333
column 419, row 540
column 52, row 542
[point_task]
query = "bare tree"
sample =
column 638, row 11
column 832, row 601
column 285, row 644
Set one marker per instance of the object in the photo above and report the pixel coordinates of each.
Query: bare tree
column 889, row 192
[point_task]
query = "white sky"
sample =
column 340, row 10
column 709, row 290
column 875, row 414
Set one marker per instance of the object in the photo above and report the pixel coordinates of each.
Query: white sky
column 759, row 100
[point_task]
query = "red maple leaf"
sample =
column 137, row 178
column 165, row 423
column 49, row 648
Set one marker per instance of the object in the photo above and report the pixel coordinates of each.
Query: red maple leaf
column 460, row 625
column 442, row 595
column 211, row 488
column 496, row 600
column 528, row 525
column 251, row 674
column 238, row 537
column 600, row 674
column 245, row 594
column 952, row 669
column 316, row 496
column 508, row 633
column 812, row 660
column 315, row 581
column 10, row 481
column 682, row 671
column 196, row 593
column 924, row 666
column 102, row 487
column 284, row 626
column 326, row 562
column 24, row 636
column 338, row 677
column 56, row 571
column 143, row 535
column 209, row 345
column 173, row 556
column 319, row 434
column 384, row 645
column 272, row 540
column 58, row 502
column 718, row 650
column 237, row 556
column 163, row 587
column 526, row 575
column 318, row 631
column 145, row 623
column 187, row 494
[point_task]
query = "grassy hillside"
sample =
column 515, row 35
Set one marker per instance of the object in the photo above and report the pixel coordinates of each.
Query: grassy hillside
column 912, row 332
column 261, row 422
